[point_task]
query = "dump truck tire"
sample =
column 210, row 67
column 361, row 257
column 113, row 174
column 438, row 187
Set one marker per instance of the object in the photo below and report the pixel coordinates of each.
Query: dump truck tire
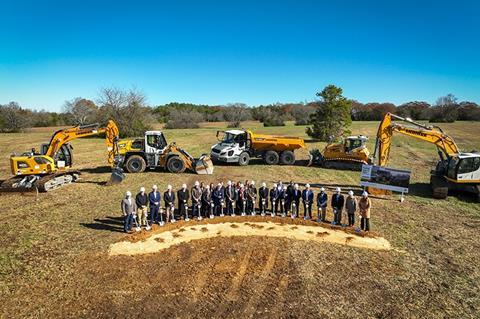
column 135, row 164
column 243, row 159
column 175, row 165
column 271, row 158
column 287, row 158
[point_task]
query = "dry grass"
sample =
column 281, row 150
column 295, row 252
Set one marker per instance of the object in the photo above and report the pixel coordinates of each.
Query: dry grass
column 54, row 246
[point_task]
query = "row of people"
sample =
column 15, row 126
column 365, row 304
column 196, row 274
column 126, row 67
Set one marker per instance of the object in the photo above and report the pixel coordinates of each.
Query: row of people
column 208, row 201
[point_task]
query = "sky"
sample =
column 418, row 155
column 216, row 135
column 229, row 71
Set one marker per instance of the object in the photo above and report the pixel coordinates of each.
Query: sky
column 253, row 52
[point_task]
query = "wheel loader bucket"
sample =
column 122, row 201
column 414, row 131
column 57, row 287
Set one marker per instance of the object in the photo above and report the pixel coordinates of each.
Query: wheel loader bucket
column 117, row 177
column 204, row 165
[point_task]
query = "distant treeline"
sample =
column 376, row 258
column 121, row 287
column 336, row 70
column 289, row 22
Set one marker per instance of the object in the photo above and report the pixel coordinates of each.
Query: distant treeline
column 130, row 110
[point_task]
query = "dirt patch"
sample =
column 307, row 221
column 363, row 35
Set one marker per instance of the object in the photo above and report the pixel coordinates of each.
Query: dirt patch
column 299, row 232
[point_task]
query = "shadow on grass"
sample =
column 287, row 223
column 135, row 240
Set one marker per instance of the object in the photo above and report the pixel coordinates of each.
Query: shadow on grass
column 109, row 223
column 96, row 170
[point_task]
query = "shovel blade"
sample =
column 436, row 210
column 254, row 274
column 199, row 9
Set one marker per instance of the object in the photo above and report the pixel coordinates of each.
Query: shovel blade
column 117, row 177
column 204, row 165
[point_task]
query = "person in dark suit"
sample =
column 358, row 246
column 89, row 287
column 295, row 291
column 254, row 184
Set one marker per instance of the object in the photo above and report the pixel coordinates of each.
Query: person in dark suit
column 337, row 205
column 322, row 203
column 263, row 196
column 294, row 195
column 183, row 195
column 207, row 202
column 274, row 193
column 230, row 198
column 129, row 208
column 289, row 199
column 218, row 200
column 251, row 197
column 196, row 200
column 242, row 199
column 154, row 201
column 169, row 199
column 283, row 199
column 307, row 199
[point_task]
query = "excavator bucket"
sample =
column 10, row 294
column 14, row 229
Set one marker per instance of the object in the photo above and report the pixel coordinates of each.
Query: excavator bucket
column 204, row 165
column 117, row 177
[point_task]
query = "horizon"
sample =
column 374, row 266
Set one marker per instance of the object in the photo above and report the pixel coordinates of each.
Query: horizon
column 216, row 53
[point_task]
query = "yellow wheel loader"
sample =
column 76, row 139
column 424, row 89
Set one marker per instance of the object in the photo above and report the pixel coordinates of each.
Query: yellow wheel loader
column 50, row 167
column 351, row 154
column 152, row 151
column 455, row 170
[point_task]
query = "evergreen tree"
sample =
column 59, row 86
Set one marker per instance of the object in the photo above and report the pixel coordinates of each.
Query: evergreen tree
column 332, row 117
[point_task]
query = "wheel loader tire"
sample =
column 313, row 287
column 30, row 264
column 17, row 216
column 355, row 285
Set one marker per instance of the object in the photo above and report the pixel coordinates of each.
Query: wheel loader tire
column 135, row 164
column 271, row 158
column 175, row 165
column 439, row 187
column 287, row 158
column 243, row 159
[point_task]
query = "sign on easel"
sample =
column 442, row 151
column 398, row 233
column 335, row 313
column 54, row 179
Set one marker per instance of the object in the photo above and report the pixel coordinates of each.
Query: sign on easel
column 387, row 178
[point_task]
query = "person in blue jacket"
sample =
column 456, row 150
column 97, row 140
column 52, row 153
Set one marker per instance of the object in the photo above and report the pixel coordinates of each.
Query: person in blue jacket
column 307, row 199
column 322, row 203
column 218, row 197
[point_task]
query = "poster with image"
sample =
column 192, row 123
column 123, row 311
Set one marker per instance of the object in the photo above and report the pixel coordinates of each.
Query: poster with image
column 382, row 177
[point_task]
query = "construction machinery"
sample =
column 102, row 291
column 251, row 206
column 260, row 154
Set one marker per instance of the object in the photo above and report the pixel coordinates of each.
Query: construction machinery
column 50, row 167
column 455, row 170
column 152, row 151
column 351, row 154
column 239, row 146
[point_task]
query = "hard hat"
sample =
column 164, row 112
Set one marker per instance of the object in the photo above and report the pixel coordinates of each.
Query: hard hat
column 169, row 187
column 338, row 189
column 229, row 183
column 350, row 193
column 241, row 185
column 307, row 186
column 207, row 186
column 154, row 187
column 197, row 183
column 252, row 183
column 322, row 189
column 284, row 187
column 142, row 189
column 184, row 185
column 296, row 186
column 274, row 185
column 264, row 184
column 365, row 194
column 128, row 193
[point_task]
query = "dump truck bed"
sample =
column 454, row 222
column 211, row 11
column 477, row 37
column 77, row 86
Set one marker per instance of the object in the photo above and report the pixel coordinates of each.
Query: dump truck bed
column 276, row 143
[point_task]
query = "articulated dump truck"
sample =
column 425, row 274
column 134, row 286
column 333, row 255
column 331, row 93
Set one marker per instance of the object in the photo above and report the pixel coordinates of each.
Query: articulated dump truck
column 239, row 146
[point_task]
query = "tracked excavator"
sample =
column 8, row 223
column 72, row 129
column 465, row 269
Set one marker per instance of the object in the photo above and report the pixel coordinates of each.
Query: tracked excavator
column 51, row 166
column 455, row 170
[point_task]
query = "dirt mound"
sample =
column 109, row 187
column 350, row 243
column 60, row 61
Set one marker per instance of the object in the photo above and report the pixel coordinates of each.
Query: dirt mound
column 169, row 238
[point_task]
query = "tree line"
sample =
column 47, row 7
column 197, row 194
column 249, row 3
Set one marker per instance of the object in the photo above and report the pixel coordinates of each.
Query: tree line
column 129, row 108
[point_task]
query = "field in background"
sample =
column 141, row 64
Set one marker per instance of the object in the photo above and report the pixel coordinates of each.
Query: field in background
column 53, row 260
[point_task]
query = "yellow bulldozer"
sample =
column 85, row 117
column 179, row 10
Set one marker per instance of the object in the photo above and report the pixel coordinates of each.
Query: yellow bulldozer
column 51, row 166
column 152, row 151
column 351, row 154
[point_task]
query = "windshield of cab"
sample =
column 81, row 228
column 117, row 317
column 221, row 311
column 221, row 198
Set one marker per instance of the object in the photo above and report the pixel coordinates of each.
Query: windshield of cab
column 227, row 138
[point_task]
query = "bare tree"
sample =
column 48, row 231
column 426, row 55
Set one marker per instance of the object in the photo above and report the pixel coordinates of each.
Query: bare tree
column 81, row 111
column 13, row 118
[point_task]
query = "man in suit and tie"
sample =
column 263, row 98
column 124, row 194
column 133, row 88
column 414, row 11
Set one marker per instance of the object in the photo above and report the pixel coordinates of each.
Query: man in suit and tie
column 337, row 205
column 307, row 199
column 294, row 198
column 196, row 200
column 207, row 202
column 263, row 195
column 230, row 198
column 169, row 199
column 183, row 195
column 274, row 199
column 129, row 207
column 154, row 200
column 322, row 202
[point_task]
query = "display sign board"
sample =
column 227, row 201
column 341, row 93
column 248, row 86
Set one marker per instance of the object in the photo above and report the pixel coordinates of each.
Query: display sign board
column 382, row 177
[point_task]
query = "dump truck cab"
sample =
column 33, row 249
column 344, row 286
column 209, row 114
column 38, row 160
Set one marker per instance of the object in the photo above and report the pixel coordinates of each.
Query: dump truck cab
column 238, row 146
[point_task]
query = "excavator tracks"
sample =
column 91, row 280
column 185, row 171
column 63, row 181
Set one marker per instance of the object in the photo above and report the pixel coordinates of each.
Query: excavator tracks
column 39, row 183
column 344, row 164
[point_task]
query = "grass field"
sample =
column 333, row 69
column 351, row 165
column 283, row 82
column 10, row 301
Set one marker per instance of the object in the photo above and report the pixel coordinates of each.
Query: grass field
column 54, row 259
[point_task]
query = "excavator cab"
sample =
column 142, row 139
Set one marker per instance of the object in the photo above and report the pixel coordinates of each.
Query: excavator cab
column 355, row 143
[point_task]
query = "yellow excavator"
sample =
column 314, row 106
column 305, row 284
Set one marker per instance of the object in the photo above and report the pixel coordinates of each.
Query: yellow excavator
column 455, row 170
column 50, row 167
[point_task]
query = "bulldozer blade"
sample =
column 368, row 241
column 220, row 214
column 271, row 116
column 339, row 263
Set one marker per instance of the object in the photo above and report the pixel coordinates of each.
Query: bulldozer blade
column 117, row 177
column 204, row 166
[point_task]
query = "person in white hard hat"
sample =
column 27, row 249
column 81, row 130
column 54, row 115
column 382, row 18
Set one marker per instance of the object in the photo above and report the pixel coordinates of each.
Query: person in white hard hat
column 337, row 205
column 351, row 208
column 364, row 206
column 251, row 192
column 263, row 197
column 183, row 194
column 274, row 194
column 128, row 209
column 230, row 198
column 206, row 201
column 322, row 203
column 169, row 199
column 294, row 195
column 154, row 200
column 142, row 207
column 307, row 199
column 196, row 200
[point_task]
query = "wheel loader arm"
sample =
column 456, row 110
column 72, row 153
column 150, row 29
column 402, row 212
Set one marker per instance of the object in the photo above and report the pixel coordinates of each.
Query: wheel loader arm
column 431, row 134
column 61, row 137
